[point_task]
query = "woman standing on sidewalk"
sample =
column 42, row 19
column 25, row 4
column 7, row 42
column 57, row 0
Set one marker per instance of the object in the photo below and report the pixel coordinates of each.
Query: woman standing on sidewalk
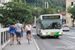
column 12, row 33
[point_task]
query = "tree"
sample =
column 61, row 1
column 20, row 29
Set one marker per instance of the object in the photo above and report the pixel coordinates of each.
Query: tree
column 59, row 8
column 13, row 11
column 52, row 3
column 36, row 11
column 47, row 11
column 72, row 11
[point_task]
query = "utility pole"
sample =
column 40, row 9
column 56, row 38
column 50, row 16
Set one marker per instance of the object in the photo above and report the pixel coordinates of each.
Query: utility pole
column 34, row 20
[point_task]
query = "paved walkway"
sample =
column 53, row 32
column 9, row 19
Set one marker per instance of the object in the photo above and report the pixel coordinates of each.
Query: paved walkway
column 24, row 45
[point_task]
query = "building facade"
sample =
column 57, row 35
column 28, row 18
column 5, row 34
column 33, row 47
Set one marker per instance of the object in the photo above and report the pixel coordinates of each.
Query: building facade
column 69, row 20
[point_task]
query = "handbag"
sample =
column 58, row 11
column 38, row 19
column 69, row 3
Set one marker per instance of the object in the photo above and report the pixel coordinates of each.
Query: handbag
column 9, row 31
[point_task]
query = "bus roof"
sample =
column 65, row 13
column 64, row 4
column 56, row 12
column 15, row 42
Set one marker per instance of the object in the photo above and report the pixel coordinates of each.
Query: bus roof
column 50, row 15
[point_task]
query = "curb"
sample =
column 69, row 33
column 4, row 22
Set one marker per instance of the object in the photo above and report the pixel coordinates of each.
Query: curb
column 36, row 43
column 6, row 44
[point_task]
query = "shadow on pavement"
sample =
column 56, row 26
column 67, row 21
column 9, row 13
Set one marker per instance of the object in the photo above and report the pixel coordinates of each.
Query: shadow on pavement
column 50, row 37
column 65, row 31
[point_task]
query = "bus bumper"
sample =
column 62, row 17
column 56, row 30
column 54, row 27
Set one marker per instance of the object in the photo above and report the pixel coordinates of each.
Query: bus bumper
column 53, row 35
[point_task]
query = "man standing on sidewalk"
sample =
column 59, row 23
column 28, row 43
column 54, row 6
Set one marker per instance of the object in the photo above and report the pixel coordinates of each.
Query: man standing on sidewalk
column 19, row 31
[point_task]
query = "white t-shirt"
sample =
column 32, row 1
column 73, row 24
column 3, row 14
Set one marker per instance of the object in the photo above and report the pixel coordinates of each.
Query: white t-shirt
column 28, row 28
column 18, row 27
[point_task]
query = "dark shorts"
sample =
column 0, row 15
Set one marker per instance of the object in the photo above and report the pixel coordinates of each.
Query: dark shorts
column 22, row 33
column 28, row 32
column 19, row 34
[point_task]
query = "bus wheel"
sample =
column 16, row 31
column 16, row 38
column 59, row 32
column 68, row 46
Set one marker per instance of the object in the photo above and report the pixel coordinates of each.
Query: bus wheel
column 41, row 37
column 57, row 36
column 37, row 34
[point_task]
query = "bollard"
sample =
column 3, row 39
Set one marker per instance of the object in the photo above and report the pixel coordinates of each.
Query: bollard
column 3, row 41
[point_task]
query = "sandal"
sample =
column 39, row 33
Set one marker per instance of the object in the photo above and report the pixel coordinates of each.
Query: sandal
column 30, row 39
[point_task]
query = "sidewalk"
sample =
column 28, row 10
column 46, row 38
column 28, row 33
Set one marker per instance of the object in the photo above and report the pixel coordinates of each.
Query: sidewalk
column 24, row 45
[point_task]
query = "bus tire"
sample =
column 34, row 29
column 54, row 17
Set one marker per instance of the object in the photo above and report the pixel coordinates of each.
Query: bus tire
column 68, row 30
column 57, row 36
column 41, row 36
column 37, row 34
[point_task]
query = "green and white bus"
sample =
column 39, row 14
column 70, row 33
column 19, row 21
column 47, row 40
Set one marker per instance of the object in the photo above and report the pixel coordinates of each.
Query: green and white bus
column 49, row 25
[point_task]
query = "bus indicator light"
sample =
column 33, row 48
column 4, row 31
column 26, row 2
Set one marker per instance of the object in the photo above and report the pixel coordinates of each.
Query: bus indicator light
column 68, row 27
column 63, row 27
column 62, row 32
column 41, row 33
column 46, row 32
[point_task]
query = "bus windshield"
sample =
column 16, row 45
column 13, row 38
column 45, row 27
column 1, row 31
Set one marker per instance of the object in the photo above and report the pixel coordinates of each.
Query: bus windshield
column 51, row 24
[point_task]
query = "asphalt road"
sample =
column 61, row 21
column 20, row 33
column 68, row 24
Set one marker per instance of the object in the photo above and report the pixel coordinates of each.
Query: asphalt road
column 65, row 42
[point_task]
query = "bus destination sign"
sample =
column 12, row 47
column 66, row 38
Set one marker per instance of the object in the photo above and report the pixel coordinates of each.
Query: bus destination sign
column 51, row 17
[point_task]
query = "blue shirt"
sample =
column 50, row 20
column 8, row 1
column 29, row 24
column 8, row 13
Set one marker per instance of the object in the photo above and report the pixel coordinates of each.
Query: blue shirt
column 12, row 28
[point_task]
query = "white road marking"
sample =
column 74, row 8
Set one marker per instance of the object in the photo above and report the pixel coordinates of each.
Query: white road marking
column 34, row 34
column 72, row 37
column 69, row 41
column 69, row 33
column 36, row 44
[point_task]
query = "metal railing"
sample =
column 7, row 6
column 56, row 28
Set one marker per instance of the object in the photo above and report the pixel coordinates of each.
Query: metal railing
column 4, row 37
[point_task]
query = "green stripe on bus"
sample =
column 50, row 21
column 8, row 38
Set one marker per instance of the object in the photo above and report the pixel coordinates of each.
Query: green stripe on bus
column 54, row 35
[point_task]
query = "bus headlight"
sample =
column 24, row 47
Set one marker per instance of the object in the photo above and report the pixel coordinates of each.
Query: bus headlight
column 44, row 33
column 61, row 33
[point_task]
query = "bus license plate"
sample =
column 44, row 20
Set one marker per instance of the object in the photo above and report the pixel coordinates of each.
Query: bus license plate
column 51, row 35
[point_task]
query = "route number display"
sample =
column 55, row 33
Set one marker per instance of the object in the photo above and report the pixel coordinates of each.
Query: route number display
column 51, row 17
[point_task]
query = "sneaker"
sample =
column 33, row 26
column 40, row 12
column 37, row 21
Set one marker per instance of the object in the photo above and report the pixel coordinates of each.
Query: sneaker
column 19, row 43
column 10, row 44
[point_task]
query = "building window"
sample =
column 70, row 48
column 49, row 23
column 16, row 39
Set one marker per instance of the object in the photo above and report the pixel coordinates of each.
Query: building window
column 71, row 16
column 67, row 21
column 71, row 21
